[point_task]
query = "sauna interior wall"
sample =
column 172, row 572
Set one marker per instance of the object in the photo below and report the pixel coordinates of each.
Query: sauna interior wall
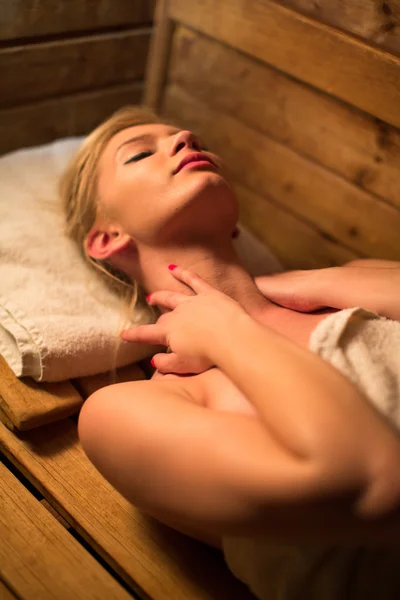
column 65, row 66
column 306, row 119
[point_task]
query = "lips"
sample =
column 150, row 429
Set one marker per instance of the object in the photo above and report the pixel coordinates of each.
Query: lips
column 193, row 157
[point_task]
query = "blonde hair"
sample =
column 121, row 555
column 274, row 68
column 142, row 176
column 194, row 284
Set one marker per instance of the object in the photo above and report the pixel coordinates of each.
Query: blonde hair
column 79, row 195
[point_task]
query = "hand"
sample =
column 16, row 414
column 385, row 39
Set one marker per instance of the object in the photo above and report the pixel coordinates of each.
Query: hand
column 191, row 328
column 370, row 284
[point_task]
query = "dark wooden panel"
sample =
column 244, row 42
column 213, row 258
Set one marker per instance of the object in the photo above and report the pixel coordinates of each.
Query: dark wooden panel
column 61, row 67
column 296, row 244
column 374, row 20
column 31, row 18
column 351, row 216
column 72, row 115
column 361, row 148
column 310, row 51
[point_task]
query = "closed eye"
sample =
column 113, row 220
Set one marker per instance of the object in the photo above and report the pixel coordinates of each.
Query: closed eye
column 137, row 157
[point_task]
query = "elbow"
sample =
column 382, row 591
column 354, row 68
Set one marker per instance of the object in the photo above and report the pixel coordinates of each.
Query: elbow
column 367, row 473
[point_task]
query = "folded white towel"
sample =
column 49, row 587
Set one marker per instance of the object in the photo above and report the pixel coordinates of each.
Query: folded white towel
column 57, row 319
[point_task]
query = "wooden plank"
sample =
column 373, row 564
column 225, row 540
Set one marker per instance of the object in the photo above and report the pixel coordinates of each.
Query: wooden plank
column 375, row 21
column 28, row 404
column 31, row 18
column 154, row 560
column 6, row 593
column 310, row 51
column 351, row 216
column 54, row 513
column 294, row 243
column 78, row 114
column 159, row 56
column 361, row 148
column 39, row 559
column 57, row 68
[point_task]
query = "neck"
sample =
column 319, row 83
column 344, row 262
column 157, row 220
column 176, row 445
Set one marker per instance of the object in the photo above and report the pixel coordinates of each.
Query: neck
column 218, row 265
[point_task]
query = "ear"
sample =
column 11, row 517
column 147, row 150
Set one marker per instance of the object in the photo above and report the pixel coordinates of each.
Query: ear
column 103, row 243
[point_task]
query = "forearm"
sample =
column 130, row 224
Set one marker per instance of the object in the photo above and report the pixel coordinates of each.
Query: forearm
column 306, row 404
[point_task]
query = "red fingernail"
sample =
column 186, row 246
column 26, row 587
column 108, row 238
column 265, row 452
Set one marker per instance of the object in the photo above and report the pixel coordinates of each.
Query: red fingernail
column 171, row 267
column 235, row 232
column 152, row 364
column 148, row 298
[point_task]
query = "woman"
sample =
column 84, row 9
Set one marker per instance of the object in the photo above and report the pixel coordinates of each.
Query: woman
column 243, row 433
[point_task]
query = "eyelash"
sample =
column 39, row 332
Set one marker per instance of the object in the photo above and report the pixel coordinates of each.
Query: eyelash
column 147, row 153
column 138, row 156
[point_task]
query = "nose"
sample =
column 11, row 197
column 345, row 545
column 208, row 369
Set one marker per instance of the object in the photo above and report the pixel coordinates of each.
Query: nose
column 185, row 139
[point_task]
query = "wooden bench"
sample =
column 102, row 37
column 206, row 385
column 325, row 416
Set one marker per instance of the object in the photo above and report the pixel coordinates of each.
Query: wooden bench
column 302, row 101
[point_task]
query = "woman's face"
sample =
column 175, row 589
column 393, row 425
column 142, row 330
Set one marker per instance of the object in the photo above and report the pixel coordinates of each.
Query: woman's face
column 144, row 186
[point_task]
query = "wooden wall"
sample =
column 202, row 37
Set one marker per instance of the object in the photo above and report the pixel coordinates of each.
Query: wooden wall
column 302, row 100
column 65, row 66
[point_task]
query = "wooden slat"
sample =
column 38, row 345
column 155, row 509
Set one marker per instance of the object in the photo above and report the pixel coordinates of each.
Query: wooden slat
column 295, row 244
column 61, row 67
column 313, row 52
column 28, row 404
column 374, row 20
column 78, row 114
column 361, row 148
column 39, row 559
column 31, row 18
column 356, row 219
column 5, row 592
column 155, row 561
column 159, row 55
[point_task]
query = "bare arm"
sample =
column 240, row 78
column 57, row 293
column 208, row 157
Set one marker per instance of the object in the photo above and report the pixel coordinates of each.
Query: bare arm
column 369, row 283
column 204, row 471
column 316, row 414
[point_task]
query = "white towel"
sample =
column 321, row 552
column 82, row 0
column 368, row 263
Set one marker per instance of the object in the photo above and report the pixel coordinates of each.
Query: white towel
column 57, row 319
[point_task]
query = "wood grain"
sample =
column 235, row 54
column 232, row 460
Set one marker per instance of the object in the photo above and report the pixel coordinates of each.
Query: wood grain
column 28, row 404
column 39, row 559
column 306, row 49
column 77, row 114
column 376, row 21
column 294, row 243
column 159, row 56
column 31, row 18
column 338, row 136
column 6, row 593
column 155, row 561
column 57, row 68
column 343, row 212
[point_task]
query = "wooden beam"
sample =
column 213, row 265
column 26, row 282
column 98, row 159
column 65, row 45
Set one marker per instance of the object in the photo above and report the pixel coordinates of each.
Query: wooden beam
column 342, row 138
column 160, row 48
column 306, row 49
column 30, row 18
column 77, row 114
column 57, row 68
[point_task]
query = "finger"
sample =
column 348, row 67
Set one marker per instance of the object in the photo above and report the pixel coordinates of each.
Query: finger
column 299, row 290
column 169, row 363
column 145, row 334
column 167, row 299
column 191, row 279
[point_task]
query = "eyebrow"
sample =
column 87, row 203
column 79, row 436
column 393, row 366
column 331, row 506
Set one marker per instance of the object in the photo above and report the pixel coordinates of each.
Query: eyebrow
column 143, row 137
